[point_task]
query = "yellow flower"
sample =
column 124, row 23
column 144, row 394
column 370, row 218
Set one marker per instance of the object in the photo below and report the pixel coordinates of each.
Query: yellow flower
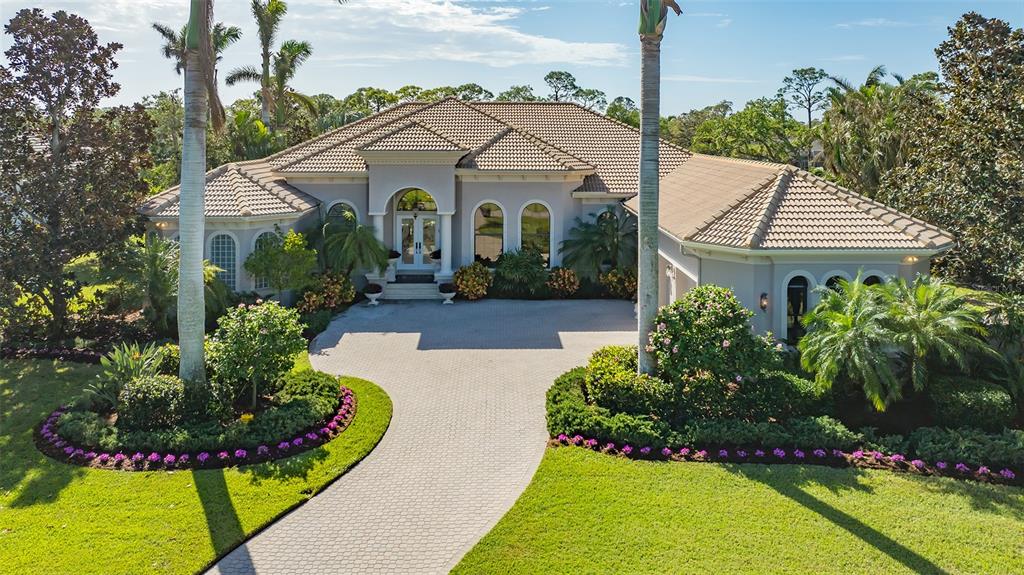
column 246, row 417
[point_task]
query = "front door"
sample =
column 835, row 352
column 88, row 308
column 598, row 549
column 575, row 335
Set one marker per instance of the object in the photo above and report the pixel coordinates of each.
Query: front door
column 417, row 236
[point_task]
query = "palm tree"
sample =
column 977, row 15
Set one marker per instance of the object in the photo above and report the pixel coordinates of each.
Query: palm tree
column 846, row 341
column 201, row 101
column 347, row 249
column 608, row 240
column 653, row 17
column 268, row 15
column 287, row 60
column 174, row 42
column 930, row 318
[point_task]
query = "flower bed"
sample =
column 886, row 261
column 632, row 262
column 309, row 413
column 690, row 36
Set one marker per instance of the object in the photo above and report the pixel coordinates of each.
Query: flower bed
column 52, row 444
column 779, row 455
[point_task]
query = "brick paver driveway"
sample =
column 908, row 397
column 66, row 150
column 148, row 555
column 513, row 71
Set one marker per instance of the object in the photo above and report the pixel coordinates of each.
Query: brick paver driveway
column 467, row 382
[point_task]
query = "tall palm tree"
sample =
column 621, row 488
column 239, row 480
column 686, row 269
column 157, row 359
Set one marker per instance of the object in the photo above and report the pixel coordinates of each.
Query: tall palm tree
column 201, row 101
column 174, row 42
column 286, row 62
column 653, row 17
column 268, row 15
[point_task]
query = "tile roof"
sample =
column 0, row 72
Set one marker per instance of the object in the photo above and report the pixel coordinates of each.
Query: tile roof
column 412, row 136
column 764, row 206
column 245, row 189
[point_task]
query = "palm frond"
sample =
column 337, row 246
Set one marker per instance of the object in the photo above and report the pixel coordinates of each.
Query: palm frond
column 243, row 74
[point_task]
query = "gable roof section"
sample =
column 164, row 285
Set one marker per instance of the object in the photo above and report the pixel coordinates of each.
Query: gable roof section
column 763, row 206
column 412, row 137
column 512, row 149
column 246, row 189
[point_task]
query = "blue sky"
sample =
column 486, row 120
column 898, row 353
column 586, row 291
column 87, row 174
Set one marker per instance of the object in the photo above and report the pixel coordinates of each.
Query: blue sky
column 717, row 50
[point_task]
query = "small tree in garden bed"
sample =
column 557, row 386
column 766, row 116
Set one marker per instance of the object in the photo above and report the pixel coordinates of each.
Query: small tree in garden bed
column 330, row 291
column 254, row 346
column 473, row 281
column 284, row 261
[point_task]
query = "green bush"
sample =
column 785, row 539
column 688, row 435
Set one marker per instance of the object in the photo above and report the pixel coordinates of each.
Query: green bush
column 612, row 382
column 619, row 283
column 307, row 383
column 473, row 281
column 150, row 402
column 804, row 433
column 124, row 363
column 317, row 321
column 253, row 347
column 971, row 403
column 520, row 273
column 171, row 362
column 968, row 445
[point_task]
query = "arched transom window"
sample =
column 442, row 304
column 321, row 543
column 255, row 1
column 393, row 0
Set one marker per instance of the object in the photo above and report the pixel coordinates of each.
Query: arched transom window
column 536, row 229
column 342, row 216
column 416, row 200
column 488, row 233
column 223, row 254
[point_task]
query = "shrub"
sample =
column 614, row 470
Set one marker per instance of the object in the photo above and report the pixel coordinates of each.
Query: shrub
column 171, row 362
column 520, row 273
column 317, row 321
column 563, row 282
column 124, row 363
column 150, row 402
column 968, row 445
column 620, row 283
column 308, row 383
column 612, row 382
column 330, row 291
column 254, row 346
column 473, row 280
column 971, row 403
column 808, row 433
column 708, row 332
column 771, row 395
column 283, row 260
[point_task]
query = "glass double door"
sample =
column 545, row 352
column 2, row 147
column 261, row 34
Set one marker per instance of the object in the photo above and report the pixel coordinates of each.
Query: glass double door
column 417, row 236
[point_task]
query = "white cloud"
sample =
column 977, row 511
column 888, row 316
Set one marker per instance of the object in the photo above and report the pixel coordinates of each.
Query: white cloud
column 875, row 23
column 689, row 78
column 724, row 23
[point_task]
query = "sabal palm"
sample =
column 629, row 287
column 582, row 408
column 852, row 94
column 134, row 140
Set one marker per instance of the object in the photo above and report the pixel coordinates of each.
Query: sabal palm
column 610, row 239
column 847, row 339
column 286, row 63
column 174, row 42
column 931, row 319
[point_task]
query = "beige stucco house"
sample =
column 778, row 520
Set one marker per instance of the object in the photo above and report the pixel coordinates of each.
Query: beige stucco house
column 471, row 179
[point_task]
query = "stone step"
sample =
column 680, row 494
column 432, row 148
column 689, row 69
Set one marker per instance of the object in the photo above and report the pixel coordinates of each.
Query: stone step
column 397, row 291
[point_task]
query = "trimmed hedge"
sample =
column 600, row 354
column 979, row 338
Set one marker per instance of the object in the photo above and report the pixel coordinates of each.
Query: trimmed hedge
column 150, row 402
column 612, row 382
column 971, row 403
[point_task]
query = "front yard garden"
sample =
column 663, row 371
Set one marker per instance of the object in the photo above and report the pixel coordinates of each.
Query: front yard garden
column 103, row 521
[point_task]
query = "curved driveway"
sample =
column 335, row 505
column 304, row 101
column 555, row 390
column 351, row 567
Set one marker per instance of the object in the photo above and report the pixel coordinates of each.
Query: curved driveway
column 468, row 383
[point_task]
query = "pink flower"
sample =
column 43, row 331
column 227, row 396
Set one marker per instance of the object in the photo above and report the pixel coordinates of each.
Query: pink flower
column 138, row 457
column 702, row 453
column 169, row 459
column 241, row 454
column 666, row 451
column 917, row 463
column 983, row 470
column 962, row 468
column 104, row 457
column 725, row 343
column 857, row 454
column 576, row 439
column 898, row 457
column 153, row 457
column 627, row 449
column 223, row 455
column 609, row 446
column 590, row 442
column 119, row 457
column 684, row 451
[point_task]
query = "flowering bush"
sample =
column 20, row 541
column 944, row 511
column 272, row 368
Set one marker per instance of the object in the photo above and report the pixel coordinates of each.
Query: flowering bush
column 330, row 291
column 473, row 280
column 563, row 282
column 619, row 283
column 254, row 346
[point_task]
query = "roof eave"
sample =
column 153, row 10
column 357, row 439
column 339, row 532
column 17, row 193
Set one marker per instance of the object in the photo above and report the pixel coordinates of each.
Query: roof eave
column 929, row 252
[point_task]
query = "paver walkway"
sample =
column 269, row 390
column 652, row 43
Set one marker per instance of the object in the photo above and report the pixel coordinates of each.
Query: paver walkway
column 468, row 432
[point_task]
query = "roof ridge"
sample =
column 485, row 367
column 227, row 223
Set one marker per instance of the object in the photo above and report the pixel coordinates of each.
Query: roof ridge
column 619, row 122
column 730, row 159
column 408, row 125
column 234, row 174
column 760, row 187
column 263, row 186
column 878, row 210
column 473, row 154
column 768, row 210
column 528, row 134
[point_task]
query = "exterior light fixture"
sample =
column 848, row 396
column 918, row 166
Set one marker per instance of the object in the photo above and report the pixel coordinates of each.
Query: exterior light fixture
column 910, row 260
column 764, row 301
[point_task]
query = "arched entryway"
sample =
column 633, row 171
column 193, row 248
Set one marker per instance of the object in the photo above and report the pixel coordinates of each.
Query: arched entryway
column 417, row 233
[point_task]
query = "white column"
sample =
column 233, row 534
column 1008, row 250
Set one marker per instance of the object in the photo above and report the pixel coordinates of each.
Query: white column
column 378, row 226
column 446, row 245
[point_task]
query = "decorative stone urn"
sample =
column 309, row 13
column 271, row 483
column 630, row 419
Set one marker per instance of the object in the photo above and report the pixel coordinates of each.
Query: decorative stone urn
column 447, row 292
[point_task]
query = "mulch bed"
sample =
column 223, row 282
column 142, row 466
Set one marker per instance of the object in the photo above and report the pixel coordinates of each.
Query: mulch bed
column 53, row 445
column 827, row 457
column 63, row 353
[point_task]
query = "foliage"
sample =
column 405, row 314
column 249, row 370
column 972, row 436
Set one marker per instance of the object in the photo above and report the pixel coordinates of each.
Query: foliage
column 681, row 129
column 329, row 292
column 126, row 362
column 801, row 91
column 624, row 110
column 806, row 433
column 250, row 138
column 283, row 260
column 221, row 37
column 521, row 93
column 473, row 281
column 150, row 401
column 70, row 171
column 971, row 403
column 968, row 445
column 763, row 130
column 708, row 331
column 317, row 321
column 965, row 168
column 254, row 346
column 768, row 396
column 563, row 282
column 519, row 273
column 310, row 384
column 355, row 247
column 610, row 239
column 612, row 382
column 565, row 89
column 619, row 282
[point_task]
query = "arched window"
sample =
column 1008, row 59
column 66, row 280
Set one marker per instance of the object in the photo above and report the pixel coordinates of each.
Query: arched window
column 832, row 283
column 872, row 280
column 796, row 307
column 488, row 233
column 264, row 240
column 223, row 254
column 535, row 227
column 416, row 200
column 342, row 216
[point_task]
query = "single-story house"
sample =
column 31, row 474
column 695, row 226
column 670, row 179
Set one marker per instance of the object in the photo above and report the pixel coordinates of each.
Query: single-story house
column 471, row 179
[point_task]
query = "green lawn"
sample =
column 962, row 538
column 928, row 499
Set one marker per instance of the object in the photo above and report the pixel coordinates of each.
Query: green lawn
column 56, row 518
column 586, row 512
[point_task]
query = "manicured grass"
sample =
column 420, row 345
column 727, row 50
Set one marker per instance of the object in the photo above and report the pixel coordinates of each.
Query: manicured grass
column 586, row 512
column 57, row 518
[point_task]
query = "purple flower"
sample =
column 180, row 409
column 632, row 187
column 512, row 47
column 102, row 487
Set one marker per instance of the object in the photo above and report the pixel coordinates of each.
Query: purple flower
column 241, row 454
column 759, row 453
column 1007, row 474
column 590, row 442
column 137, row 457
column 183, row 458
column 90, row 455
column 702, row 453
column 338, row 419
column 777, row 452
column 69, row 450
column 723, row 453
column 837, row 452
column 627, row 449
column 741, row 454
column 312, row 436
column 645, row 450
column 877, row 454
column 941, row 464
column 983, row 470
column 898, row 457
column 684, row 451
column 962, row 468
column 262, row 450
column 562, row 438
column 798, row 454
column 917, row 463
column 223, row 455
column 154, row 457
column 104, row 457
column 297, row 441
column 576, row 439
column 60, row 443
column 170, row 459
column 78, row 453
column 819, row 453
column 202, row 457
column 609, row 446
column 857, row 454
column 666, row 451
column 119, row 457
column 332, row 425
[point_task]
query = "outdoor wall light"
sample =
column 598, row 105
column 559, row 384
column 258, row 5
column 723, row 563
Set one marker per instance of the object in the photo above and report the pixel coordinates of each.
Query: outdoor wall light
column 910, row 260
column 764, row 301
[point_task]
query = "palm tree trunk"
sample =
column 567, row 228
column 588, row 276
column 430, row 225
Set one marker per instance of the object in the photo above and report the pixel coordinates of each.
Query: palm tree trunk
column 191, row 305
column 647, row 260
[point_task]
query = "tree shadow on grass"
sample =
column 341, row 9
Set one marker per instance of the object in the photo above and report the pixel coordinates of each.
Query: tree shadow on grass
column 221, row 518
column 294, row 467
column 997, row 499
column 29, row 390
column 788, row 485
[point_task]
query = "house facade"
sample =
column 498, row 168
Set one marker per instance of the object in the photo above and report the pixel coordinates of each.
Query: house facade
column 451, row 182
